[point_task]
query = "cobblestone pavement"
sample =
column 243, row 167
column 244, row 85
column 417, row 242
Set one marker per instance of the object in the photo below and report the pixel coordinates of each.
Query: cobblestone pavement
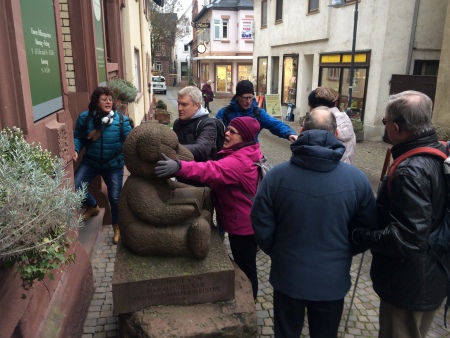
column 363, row 319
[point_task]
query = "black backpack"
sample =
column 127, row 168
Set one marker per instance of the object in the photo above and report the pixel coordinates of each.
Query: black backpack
column 220, row 132
column 256, row 114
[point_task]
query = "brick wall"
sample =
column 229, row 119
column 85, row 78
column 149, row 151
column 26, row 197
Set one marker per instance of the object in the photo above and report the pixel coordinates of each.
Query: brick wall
column 67, row 45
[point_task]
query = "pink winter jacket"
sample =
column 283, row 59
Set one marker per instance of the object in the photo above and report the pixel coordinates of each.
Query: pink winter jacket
column 227, row 177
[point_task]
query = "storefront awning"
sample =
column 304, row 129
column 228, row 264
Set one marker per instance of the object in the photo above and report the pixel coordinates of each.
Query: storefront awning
column 223, row 57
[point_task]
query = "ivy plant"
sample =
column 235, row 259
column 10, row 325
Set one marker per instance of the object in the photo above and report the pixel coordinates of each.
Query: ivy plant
column 39, row 209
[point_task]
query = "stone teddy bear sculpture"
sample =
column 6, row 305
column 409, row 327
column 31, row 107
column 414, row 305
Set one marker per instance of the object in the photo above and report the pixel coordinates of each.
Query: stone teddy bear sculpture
column 157, row 215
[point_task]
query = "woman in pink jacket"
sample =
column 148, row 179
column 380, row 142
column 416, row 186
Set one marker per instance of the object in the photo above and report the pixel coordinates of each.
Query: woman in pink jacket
column 233, row 179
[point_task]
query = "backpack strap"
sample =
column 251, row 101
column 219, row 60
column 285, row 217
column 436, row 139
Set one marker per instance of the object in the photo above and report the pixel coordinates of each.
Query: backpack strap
column 122, row 136
column 200, row 125
column 226, row 118
column 257, row 113
column 86, row 123
column 412, row 152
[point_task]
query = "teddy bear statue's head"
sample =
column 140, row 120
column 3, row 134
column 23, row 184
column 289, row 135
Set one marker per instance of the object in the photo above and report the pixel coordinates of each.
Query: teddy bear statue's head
column 145, row 144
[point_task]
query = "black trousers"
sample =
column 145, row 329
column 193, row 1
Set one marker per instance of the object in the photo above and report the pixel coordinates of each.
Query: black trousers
column 243, row 249
column 289, row 314
column 207, row 106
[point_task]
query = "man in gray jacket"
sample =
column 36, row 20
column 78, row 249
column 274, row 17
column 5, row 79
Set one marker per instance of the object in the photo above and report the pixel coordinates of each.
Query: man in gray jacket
column 194, row 128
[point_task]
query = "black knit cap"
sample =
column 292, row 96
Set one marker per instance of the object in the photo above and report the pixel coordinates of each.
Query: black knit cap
column 244, row 87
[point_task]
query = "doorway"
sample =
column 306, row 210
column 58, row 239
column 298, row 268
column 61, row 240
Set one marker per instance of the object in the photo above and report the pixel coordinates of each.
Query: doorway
column 275, row 75
column 223, row 78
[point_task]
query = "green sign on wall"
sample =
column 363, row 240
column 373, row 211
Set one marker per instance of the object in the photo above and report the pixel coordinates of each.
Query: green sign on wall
column 38, row 22
column 99, row 44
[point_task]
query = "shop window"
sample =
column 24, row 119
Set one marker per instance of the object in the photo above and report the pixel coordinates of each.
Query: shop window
column 289, row 89
column 263, row 13
column 205, row 73
column 335, row 74
column 244, row 72
column 261, row 83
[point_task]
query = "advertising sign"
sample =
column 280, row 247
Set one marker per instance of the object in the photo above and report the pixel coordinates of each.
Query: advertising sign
column 38, row 22
column 99, row 43
column 246, row 32
column 273, row 105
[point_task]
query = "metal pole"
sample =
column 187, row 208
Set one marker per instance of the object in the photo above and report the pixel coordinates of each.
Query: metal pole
column 352, row 65
column 353, row 296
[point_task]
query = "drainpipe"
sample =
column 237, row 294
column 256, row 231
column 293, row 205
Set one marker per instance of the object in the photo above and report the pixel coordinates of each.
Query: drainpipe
column 145, row 81
column 412, row 37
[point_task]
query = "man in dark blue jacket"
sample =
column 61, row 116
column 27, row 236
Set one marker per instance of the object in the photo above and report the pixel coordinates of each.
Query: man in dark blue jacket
column 102, row 131
column 302, row 214
column 244, row 104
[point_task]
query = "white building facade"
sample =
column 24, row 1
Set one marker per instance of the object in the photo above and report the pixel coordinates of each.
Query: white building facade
column 229, row 44
column 300, row 45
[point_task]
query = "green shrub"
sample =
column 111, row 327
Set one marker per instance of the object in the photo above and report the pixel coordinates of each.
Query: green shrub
column 123, row 90
column 161, row 104
column 38, row 206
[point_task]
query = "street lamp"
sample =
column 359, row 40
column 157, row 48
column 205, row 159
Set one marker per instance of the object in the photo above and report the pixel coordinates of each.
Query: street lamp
column 338, row 4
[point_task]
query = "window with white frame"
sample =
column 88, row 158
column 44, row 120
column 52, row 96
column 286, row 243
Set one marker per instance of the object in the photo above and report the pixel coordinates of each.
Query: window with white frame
column 158, row 65
column 220, row 29
column 158, row 47
column 137, row 70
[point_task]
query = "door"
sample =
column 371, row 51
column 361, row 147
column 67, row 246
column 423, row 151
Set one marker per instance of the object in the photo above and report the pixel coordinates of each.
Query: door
column 223, row 78
column 275, row 74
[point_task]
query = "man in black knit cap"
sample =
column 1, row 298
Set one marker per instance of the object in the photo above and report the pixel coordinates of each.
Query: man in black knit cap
column 243, row 103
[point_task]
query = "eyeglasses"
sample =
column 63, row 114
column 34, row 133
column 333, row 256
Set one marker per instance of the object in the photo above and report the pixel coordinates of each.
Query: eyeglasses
column 384, row 120
column 232, row 131
column 108, row 99
column 246, row 98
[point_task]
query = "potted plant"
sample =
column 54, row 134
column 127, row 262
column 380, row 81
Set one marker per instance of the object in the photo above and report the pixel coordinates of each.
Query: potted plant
column 358, row 128
column 124, row 92
column 161, row 113
column 39, row 209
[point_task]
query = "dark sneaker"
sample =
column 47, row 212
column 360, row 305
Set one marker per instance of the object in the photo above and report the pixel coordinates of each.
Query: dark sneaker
column 91, row 212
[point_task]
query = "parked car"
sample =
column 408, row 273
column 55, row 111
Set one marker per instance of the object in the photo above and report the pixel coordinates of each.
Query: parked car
column 159, row 84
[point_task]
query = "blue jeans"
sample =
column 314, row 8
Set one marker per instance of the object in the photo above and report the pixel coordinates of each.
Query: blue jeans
column 113, row 180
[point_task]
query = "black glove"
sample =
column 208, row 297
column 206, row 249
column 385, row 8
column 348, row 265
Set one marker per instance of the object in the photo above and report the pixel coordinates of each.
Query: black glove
column 167, row 167
column 357, row 236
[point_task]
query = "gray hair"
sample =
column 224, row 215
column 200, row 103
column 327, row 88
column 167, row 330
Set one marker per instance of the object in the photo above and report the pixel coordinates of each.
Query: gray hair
column 411, row 111
column 193, row 92
column 320, row 118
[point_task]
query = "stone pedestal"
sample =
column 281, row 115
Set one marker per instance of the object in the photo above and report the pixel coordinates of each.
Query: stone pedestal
column 143, row 281
column 235, row 318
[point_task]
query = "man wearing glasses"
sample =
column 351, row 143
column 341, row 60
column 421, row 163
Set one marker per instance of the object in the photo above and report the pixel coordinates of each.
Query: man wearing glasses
column 244, row 104
column 409, row 281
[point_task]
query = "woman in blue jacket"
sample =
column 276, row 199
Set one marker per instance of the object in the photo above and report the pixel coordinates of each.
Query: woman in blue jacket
column 102, row 131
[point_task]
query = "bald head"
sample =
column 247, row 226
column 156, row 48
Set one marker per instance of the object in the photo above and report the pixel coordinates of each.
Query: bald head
column 320, row 118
